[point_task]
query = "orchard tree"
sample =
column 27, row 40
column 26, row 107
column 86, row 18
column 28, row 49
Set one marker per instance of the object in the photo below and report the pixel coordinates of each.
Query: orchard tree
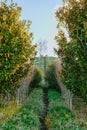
column 16, row 48
column 73, row 16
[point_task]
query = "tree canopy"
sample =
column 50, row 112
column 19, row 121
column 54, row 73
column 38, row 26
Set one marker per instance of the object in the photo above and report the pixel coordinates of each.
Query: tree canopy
column 73, row 16
column 16, row 48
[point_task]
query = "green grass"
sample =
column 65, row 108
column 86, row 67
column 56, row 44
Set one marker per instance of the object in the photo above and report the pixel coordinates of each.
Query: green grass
column 59, row 117
column 28, row 117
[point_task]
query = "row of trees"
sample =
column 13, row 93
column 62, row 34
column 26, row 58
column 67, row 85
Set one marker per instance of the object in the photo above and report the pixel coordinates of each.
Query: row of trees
column 16, row 49
column 72, row 16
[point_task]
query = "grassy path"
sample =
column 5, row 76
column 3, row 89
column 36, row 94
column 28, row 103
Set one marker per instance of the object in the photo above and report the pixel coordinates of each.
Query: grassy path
column 55, row 115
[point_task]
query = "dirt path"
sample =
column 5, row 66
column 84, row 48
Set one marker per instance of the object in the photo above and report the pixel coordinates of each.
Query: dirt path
column 45, row 110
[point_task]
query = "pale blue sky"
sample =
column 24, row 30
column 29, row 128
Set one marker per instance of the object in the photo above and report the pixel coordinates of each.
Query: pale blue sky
column 41, row 13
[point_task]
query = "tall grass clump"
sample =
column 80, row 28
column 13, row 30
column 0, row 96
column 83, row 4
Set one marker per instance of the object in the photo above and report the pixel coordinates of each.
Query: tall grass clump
column 59, row 117
column 28, row 117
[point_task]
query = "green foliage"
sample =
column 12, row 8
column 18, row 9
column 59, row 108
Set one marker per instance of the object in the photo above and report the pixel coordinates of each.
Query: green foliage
column 16, row 47
column 37, row 78
column 50, row 77
column 59, row 117
column 73, row 17
column 3, row 103
column 28, row 117
column 39, row 61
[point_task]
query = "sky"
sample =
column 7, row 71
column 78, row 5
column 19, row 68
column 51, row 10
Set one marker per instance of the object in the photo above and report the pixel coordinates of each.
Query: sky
column 41, row 13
